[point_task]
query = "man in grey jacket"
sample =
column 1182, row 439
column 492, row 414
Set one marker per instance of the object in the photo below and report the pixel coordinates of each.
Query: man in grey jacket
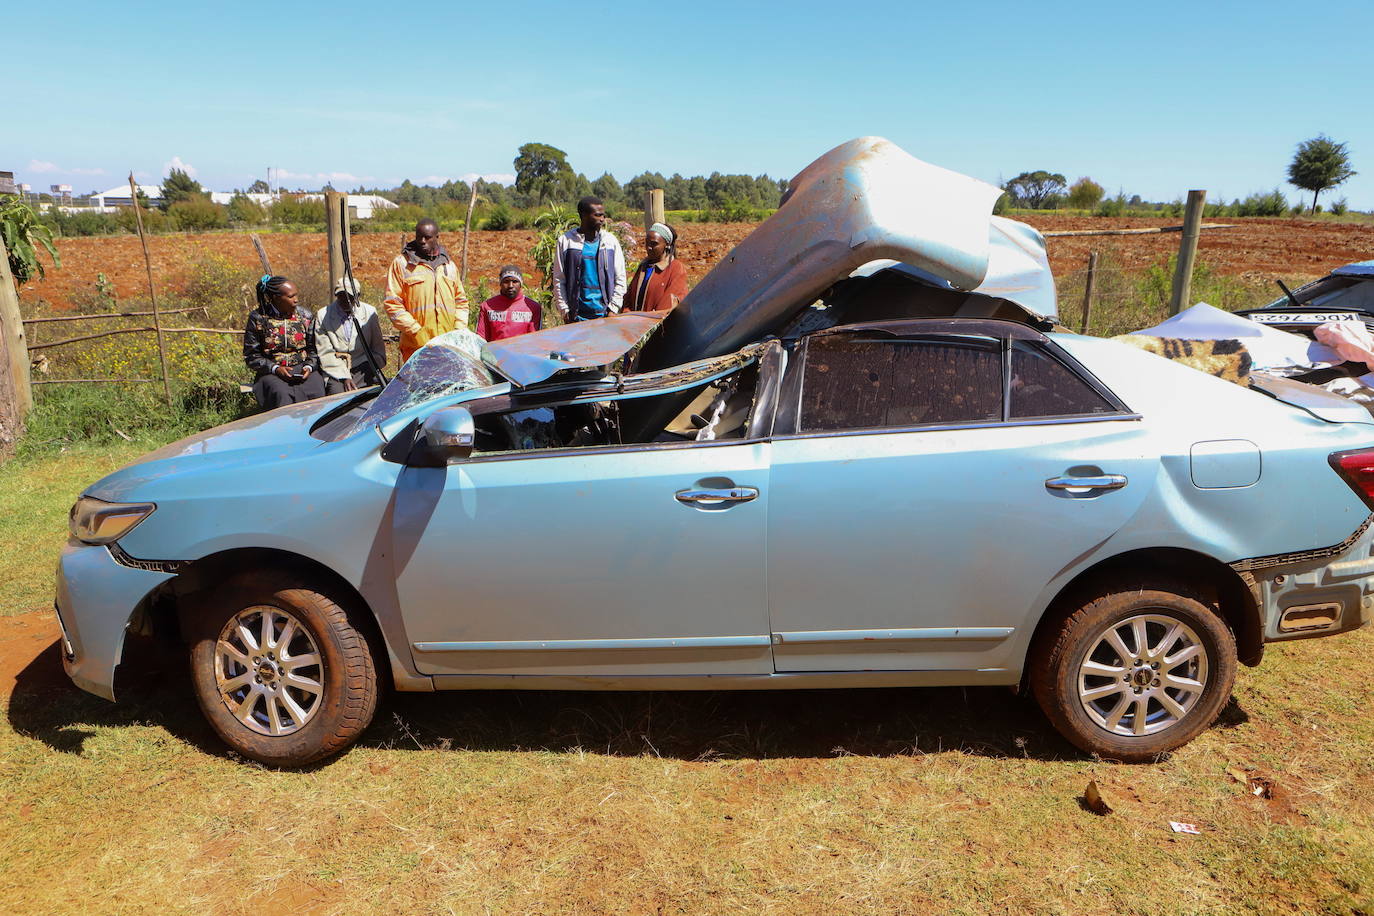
column 344, row 354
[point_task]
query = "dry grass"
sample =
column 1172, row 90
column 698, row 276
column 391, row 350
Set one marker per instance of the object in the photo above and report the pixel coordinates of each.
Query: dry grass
column 882, row 801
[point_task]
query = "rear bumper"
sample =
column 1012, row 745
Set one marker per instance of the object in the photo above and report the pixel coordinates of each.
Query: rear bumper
column 1319, row 593
column 96, row 597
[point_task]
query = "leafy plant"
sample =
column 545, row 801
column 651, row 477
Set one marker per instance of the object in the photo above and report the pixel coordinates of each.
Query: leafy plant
column 24, row 235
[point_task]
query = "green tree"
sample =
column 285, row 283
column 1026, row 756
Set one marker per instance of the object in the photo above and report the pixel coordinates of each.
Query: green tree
column 1318, row 164
column 24, row 235
column 608, row 189
column 542, row 172
column 259, row 187
column 179, row 186
column 1085, row 194
column 1038, row 190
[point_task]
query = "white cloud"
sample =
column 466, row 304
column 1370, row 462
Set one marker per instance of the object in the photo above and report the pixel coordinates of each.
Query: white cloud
column 43, row 167
column 176, row 163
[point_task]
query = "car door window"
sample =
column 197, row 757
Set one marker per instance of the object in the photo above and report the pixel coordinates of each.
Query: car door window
column 1042, row 386
column 860, row 382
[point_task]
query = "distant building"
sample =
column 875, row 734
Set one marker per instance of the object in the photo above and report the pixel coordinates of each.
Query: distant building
column 118, row 196
column 223, row 197
column 7, row 185
column 360, row 206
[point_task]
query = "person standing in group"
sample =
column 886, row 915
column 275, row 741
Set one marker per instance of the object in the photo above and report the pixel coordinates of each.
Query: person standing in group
column 346, row 357
column 508, row 313
column 279, row 346
column 660, row 282
column 424, row 294
column 588, row 267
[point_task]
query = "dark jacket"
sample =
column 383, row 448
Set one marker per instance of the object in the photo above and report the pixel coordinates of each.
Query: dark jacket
column 269, row 341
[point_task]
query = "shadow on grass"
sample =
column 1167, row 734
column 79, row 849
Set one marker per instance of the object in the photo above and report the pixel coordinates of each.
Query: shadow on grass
column 684, row 725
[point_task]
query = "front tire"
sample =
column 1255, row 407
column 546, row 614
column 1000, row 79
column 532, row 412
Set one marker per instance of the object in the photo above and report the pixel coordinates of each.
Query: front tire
column 1136, row 673
column 281, row 673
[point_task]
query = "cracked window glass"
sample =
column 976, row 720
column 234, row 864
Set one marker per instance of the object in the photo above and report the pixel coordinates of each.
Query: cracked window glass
column 446, row 365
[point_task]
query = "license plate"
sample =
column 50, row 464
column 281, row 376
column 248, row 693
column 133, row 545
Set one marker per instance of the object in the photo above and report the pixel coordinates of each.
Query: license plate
column 1302, row 317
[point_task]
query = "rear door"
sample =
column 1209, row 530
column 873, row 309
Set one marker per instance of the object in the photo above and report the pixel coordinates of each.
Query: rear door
column 925, row 491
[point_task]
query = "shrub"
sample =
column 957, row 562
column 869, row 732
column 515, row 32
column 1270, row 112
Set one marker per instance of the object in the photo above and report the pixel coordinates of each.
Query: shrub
column 499, row 219
column 1084, row 194
column 294, row 213
column 1112, row 206
column 244, row 211
column 1269, row 203
column 153, row 220
column 1339, row 207
column 197, row 215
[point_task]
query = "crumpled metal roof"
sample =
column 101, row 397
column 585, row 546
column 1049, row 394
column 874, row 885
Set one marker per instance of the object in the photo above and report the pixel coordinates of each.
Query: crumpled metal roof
column 534, row 357
column 865, row 200
column 1358, row 269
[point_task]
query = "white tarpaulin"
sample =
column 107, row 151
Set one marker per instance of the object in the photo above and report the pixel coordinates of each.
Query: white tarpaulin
column 1269, row 347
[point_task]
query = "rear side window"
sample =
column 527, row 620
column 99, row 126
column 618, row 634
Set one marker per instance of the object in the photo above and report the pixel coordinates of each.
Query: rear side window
column 1041, row 386
column 862, row 383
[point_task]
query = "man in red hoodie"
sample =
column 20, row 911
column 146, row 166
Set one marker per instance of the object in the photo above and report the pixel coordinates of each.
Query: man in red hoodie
column 508, row 313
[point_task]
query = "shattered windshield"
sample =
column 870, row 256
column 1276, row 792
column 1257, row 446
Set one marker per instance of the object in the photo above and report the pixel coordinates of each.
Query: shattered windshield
column 448, row 364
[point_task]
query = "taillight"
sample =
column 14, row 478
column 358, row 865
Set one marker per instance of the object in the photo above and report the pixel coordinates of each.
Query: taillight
column 1357, row 468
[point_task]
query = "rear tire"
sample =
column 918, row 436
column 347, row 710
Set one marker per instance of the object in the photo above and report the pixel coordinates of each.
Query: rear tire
column 280, row 672
column 1136, row 673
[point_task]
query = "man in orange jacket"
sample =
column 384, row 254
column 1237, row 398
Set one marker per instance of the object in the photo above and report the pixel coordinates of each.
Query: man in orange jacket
column 424, row 294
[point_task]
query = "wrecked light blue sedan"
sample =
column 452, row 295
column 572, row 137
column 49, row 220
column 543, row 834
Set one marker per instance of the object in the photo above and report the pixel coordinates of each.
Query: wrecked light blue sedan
column 861, row 453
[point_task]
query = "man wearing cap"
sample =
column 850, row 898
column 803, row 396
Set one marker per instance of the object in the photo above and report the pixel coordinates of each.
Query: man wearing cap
column 346, row 357
column 424, row 294
column 508, row 313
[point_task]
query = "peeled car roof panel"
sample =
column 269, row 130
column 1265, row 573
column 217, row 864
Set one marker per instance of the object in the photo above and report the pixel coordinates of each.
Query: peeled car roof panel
column 534, row 357
column 864, row 200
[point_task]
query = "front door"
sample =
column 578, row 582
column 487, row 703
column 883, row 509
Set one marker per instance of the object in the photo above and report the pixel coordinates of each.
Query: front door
column 601, row 561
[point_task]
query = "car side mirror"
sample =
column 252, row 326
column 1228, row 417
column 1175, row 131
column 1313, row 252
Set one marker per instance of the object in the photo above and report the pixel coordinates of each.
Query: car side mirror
column 449, row 434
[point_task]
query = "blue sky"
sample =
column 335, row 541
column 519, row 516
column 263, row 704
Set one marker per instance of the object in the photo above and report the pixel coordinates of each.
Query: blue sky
column 1148, row 98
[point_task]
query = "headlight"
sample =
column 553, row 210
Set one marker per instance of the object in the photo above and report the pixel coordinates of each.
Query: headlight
column 98, row 522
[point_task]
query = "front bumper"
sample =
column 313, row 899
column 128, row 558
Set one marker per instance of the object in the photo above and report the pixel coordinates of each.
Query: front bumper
column 1339, row 578
column 96, row 598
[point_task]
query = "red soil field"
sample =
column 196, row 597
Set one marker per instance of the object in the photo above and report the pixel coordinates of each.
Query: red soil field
column 1294, row 250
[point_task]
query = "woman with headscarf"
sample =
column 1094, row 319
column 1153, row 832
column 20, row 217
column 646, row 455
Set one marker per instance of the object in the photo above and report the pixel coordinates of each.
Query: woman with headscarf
column 660, row 282
column 279, row 346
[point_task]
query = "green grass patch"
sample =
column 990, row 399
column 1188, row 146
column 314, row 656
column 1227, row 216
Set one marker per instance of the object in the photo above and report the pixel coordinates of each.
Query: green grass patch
column 34, row 502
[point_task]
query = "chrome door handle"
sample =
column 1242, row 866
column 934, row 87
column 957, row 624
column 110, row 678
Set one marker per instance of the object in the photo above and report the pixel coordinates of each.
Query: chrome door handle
column 714, row 497
column 1103, row 482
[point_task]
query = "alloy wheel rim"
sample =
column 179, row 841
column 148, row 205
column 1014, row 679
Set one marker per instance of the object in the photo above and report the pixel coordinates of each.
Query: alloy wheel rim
column 1143, row 675
column 269, row 671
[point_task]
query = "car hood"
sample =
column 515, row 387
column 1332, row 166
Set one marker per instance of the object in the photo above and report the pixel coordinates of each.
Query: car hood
column 262, row 438
column 865, row 201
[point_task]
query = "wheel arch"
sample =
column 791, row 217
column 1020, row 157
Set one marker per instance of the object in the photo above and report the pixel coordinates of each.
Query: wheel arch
column 1224, row 589
column 166, row 613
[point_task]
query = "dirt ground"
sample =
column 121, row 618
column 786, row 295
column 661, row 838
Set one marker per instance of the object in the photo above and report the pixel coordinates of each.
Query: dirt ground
column 1292, row 249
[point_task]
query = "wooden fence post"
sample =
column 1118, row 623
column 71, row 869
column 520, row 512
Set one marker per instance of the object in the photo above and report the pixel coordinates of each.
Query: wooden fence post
column 152, row 293
column 1088, row 288
column 653, row 208
column 262, row 252
column 467, row 227
column 16, row 394
column 335, row 225
column 1187, row 253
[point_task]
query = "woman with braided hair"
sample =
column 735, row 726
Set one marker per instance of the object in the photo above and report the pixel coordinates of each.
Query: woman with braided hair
column 279, row 346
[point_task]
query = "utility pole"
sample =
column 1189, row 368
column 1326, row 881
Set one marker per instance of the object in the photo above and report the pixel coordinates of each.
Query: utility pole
column 653, row 207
